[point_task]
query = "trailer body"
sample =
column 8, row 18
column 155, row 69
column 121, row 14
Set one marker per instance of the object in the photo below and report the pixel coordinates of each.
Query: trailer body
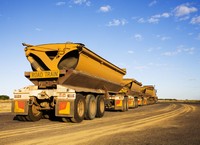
column 150, row 94
column 71, row 82
column 132, row 88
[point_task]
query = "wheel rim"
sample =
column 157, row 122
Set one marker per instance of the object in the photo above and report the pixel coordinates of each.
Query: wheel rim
column 35, row 111
column 93, row 107
column 81, row 108
column 102, row 107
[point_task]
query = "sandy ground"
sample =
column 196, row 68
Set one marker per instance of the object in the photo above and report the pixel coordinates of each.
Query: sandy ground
column 163, row 123
column 5, row 106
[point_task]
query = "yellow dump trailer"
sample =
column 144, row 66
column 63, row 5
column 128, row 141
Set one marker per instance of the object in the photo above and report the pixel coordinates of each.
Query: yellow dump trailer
column 76, row 65
column 140, row 100
column 71, row 81
column 144, row 100
column 132, row 88
column 150, row 94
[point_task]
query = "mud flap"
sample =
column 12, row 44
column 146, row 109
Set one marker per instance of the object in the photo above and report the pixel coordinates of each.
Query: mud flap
column 64, row 108
column 131, row 103
column 20, row 107
column 118, row 105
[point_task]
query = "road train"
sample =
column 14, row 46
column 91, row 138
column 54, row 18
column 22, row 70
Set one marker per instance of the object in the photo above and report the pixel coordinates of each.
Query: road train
column 73, row 83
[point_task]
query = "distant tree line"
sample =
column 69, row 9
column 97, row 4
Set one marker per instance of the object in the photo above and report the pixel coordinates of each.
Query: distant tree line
column 168, row 99
column 4, row 97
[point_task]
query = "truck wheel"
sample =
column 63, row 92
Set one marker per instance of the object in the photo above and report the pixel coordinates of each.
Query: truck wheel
column 125, row 104
column 65, row 119
column 136, row 103
column 126, row 98
column 33, row 113
column 52, row 116
column 21, row 118
column 79, row 109
column 91, row 107
column 45, row 115
column 100, row 106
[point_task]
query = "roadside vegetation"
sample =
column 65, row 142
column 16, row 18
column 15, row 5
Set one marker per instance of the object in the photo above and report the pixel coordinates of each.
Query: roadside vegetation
column 4, row 97
column 175, row 100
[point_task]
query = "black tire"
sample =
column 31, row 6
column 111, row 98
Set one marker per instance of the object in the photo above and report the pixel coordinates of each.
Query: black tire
column 125, row 104
column 45, row 115
column 21, row 117
column 33, row 113
column 126, row 98
column 52, row 116
column 79, row 109
column 27, row 118
column 136, row 102
column 65, row 119
column 100, row 106
column 91, row 107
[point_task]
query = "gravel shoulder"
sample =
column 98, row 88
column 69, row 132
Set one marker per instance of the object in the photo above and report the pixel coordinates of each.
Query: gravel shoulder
column 159, row 124
column 180, row 130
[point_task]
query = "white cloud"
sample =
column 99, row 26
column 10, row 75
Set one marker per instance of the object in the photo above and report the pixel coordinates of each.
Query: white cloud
column 163, row 15
column 141, row 67
column 80, row 2
column 153, row 20
column 104, row 9
column 180, row 49
column 114, row 22
column 152, row 3
column 117, row 22
column 195, row 20
column 151, row 64
column 134, row 18
column 184, row 18
column 184, row 9
column 60, row 3
column 189, row 50
column 124, row 21
column 151, row 49
column 168, row 53
column 156, row 18
column 130, row 52
column 138, row 37
column 141, row 20
column 38, row 29
column 163, row 38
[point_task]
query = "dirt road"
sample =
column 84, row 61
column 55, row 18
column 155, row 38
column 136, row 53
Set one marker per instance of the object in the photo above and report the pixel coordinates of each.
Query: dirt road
column 163, row 123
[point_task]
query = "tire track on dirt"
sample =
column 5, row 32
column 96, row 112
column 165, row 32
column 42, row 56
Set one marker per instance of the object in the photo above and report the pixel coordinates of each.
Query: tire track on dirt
column 84, row 136
column 61, row 125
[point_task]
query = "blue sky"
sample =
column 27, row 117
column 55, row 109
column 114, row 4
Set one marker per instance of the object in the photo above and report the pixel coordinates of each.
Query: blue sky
column 157, row 41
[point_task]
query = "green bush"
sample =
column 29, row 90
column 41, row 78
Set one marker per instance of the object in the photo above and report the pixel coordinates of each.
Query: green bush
column 4, row 97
